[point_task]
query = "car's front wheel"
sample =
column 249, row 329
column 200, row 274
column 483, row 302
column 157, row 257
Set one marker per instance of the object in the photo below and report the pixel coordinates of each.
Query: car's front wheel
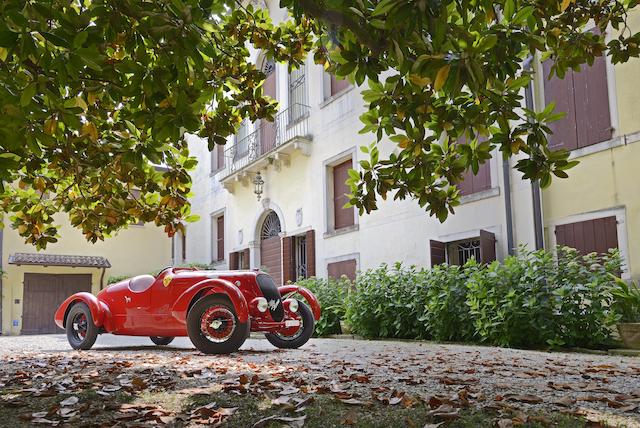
column 161, row 341
column 292, row 338
column 81, row 331
column 213, row 326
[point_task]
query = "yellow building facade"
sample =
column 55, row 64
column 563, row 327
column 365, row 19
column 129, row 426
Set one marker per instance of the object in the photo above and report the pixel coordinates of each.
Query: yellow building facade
column 34, row 282
column 604, row 186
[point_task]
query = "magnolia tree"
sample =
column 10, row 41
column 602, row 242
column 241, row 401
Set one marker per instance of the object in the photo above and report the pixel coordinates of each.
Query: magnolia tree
column 95, row 94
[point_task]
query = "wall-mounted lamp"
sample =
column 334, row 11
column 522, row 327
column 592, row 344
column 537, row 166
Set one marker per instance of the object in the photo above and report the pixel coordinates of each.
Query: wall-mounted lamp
column 258, row 182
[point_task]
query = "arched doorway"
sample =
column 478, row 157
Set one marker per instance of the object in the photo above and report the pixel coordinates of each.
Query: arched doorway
column 270, row 247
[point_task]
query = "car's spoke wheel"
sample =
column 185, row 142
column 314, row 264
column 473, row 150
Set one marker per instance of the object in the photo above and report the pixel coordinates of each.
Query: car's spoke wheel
column 161, row 341
column 213, row 326
column 217, row 324
column 81, row 331
column 295, row 337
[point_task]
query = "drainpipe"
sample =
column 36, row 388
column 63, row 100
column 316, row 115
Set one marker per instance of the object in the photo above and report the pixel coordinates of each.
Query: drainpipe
column 506, row 175
column 535, row 185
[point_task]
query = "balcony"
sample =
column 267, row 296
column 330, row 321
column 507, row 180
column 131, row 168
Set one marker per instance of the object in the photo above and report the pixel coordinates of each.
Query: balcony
column 270, row 144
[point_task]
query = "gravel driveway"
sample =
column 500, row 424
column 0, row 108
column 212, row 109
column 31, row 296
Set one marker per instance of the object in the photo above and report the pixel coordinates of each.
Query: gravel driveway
column 359, row 370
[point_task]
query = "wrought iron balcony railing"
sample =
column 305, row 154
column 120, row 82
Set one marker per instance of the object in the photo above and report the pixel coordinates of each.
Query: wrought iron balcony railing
column 287, row 125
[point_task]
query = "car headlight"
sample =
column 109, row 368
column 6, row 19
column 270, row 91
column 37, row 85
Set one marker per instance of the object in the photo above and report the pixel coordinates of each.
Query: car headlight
column 293, row 305
column 262, row 304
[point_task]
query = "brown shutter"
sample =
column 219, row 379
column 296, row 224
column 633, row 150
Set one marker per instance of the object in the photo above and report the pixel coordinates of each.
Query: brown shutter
column 269, row 86
column 338, row 85
column 343, row 217
column 220, row 237
column 245, row 258
column 311, row 253
column 592, row 104
column 288, row 259
column 438, row 252
column 233, row 261
column 487, row 246
column 589, row 236
column 220, row 150
column 561, row 91
column 474, row 183
column 338, row 269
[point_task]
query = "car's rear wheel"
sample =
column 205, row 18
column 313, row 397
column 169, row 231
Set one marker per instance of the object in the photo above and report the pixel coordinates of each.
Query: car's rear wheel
column 81, row 331
column 293, row 338
column 213, row 326
column 161, row 341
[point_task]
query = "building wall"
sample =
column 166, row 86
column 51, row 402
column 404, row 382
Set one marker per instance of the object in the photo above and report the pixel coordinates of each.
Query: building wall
column 397, row 231
column 604, row 182
column 133, row 251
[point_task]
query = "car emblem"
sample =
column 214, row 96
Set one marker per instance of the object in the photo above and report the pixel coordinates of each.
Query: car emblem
column 273, row 304
column 167, row 280
column 127, row 299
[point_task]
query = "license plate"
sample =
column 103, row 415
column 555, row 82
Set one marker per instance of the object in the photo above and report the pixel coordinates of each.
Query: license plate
column 292, row 323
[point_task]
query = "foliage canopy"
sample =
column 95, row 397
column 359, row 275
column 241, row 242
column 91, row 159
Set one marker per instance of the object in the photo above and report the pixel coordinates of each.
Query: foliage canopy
column 94, row 93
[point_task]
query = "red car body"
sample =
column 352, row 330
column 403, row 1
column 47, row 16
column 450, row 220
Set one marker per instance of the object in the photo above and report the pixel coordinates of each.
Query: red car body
column 160, row 309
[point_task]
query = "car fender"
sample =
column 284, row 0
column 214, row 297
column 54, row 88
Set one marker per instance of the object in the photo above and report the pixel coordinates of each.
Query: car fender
column 311, row 299
column 181, row 306
column 96, row 308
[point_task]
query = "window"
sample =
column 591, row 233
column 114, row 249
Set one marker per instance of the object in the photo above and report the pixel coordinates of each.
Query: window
column 584, row 96
column 298, row 254
column 217, row 158
column 217, row 237
column 337, row 84
column 598, row 235
column 343, row 268
column 481, row 248
column 179, row 250
column 297, row 94
column 242, row 140
column 342, row 217
column 239, row 259
column 473, row 183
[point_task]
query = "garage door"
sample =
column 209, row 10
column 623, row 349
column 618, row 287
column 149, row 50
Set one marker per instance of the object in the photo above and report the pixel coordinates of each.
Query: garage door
column 43, row 293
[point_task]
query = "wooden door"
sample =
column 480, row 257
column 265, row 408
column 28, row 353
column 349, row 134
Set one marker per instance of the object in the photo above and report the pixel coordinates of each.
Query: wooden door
column 43, row 293
column 271, row 258
column 271, row 247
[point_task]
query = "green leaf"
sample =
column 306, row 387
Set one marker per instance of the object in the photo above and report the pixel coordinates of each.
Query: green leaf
column 383, row 7
column 522, row 15
column 27, row 94
column 55, row 40
column 8, row 39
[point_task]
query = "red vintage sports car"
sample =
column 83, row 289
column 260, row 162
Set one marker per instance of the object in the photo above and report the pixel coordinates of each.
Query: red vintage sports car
column 216, row 309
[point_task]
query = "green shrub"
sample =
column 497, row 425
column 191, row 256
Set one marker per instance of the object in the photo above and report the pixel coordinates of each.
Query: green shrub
column 532, row 300
column 511, row 303
column 447, row 314
column 331, row 293
column 583, row 284
column 389, row 302
column 626, row 301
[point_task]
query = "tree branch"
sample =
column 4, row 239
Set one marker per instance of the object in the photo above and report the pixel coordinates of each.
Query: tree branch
column 339, row 19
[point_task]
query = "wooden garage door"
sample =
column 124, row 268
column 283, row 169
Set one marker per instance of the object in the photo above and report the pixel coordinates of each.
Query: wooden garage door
column 271, row 247
column 43, row 293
